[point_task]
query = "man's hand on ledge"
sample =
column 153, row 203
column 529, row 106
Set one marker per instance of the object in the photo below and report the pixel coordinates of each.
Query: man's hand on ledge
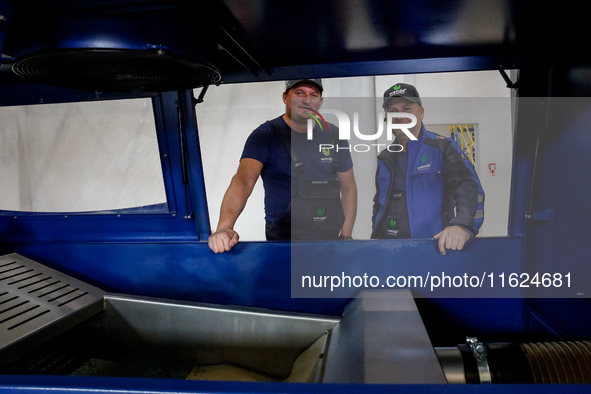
column 452, row 237
column 223, row 240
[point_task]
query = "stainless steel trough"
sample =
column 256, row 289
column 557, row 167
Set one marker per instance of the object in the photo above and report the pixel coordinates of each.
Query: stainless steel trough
column 52, row 323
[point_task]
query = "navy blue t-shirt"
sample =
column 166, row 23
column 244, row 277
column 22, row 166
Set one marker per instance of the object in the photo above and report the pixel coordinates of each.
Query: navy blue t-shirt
column 270, row 149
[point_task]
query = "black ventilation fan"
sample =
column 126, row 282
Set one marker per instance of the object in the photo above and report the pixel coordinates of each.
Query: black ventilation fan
column 115, row 70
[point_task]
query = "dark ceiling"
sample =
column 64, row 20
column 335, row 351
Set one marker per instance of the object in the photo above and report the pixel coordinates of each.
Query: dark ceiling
column 250, row 40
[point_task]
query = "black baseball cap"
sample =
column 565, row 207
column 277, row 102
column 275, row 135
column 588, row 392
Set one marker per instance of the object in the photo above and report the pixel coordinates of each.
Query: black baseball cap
column 404, row 90
column 292, row 82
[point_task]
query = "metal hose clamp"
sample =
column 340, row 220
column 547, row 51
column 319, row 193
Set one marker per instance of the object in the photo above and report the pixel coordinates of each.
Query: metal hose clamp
column 479, row 351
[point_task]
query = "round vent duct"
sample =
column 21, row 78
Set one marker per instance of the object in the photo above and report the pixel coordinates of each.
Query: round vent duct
column 115, row 70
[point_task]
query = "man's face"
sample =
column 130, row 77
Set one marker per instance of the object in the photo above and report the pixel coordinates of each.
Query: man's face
column 300, row 99
column 399, row 104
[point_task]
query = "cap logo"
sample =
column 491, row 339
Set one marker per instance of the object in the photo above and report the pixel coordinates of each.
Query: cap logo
column 397, row 91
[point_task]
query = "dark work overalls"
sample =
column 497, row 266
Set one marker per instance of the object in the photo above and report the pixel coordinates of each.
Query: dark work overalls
column 394, row 221
column 315, row 210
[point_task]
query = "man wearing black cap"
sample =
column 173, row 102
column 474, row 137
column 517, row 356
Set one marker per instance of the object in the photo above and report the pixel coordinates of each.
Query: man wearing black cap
column 426, row 187
column 309, row 193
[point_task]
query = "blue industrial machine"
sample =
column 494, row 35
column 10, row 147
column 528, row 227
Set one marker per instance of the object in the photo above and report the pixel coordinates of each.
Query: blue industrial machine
column 151, row 280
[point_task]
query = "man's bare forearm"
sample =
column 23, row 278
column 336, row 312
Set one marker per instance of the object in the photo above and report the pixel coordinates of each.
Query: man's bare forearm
column 238, row 192
column 233, row 203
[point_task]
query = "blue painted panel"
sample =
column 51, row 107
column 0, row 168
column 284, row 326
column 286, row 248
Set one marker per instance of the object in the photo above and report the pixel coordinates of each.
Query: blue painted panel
column 260, row 274
column 563, row 191
column 80, row 385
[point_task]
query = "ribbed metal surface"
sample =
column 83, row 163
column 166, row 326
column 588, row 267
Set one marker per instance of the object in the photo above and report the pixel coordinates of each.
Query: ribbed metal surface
column 115, row 70
column 559, row 362
column 37, row 303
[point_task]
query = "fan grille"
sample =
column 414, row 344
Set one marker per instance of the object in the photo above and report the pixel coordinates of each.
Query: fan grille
column 115, row 70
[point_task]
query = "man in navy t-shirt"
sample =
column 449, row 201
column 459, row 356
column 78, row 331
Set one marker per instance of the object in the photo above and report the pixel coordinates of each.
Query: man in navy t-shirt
column 292, row 166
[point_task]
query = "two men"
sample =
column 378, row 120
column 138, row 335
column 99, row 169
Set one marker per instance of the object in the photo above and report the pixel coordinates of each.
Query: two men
column 429, row 189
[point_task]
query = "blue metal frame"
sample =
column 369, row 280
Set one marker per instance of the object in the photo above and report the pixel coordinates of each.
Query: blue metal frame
column 164, row 255
column 261, row 274
column 179, row 224
column 161, row 256
column 79, row 385
column 195, row 165
column 383, row 67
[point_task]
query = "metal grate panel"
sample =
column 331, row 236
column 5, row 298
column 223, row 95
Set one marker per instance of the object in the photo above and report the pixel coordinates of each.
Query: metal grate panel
column 37, row 303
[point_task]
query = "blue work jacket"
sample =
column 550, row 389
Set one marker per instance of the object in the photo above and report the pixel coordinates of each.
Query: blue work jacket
column 442, row 188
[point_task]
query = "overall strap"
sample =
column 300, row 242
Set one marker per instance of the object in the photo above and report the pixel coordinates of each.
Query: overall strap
column 294, row 157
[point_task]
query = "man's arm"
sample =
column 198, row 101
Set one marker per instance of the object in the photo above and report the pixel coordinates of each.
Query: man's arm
column 225, row 238
column 463, row 184
column 349, row 200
